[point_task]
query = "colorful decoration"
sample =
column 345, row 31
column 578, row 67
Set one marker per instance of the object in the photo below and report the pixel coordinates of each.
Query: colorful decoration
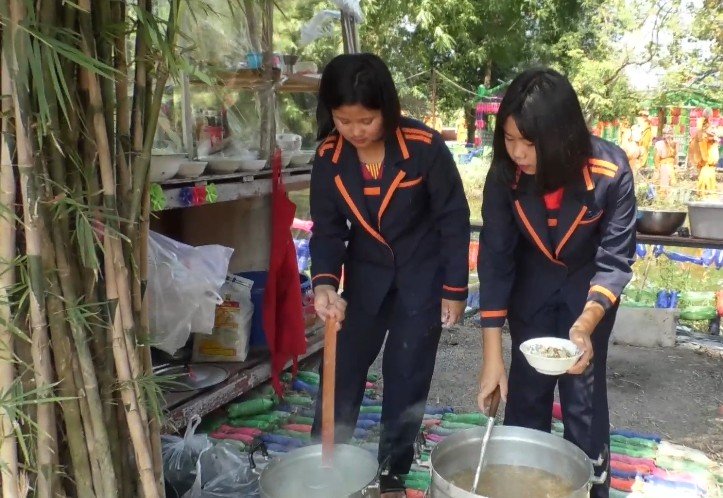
column 158, row 198
column 211, row 193
column 185, row 196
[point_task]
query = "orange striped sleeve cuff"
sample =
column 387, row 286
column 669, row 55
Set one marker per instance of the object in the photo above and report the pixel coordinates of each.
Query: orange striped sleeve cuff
column 454, row 293
column 602, row 295
column 492, row 318
column 325, row 279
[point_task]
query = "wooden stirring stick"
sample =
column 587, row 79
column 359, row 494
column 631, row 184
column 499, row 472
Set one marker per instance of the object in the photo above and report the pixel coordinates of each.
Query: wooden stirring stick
column 327, row 394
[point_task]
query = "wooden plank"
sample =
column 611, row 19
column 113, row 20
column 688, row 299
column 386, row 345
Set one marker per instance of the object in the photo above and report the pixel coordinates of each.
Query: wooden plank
column 244, row 378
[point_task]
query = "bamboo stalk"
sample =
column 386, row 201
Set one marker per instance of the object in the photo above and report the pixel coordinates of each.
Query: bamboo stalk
column 47, row 435
column 75, row 432
column 123, row 111
column 8, row 443
column 116, row 278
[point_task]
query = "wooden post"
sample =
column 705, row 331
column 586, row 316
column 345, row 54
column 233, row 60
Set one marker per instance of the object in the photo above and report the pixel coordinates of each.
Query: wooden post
column 268, row 94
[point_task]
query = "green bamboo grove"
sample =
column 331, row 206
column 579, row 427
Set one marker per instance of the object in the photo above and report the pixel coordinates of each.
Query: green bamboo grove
column 82, row 84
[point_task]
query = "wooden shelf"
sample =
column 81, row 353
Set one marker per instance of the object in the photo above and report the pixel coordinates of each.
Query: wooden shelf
column 256, row 79
column 256, row 370
column 677, row 241
column 234, row 186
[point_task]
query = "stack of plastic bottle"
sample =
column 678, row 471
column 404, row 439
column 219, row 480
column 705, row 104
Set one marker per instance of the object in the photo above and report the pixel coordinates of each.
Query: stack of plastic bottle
column 642, row 466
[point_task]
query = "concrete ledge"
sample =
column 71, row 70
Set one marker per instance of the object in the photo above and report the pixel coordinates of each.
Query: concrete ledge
column 645, row 327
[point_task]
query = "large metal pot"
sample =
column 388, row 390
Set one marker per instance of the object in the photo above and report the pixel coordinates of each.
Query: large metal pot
column 299, row 474
column 515, row 446
column 659, row 222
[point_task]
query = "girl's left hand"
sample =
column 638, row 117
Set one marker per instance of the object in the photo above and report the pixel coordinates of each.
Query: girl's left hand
column 581, row 337
column 452, row 311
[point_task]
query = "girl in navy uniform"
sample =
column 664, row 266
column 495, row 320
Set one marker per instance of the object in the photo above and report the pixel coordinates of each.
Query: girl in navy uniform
column 388, row 207
column 556, row 246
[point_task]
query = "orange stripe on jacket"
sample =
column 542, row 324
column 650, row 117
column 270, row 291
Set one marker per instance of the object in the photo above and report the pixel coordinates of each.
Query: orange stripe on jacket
column 603, row 171
column 494, row 314
column 402, row 144
column 605, row 292
column 588, row 181
column 388, row 196
column 604, row 164
column 454, row 289
column 411, row 183
column 373, row 191
column 593, row 219
column 571, row 230
column 534, row 235
column 357, row 214
column 329, row 275
column 324, row 148
column 417, row 131
column 418, row 138
column 337, row 152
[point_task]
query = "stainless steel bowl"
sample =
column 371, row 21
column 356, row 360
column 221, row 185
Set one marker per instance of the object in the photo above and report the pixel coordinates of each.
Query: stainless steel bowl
column 660, row 222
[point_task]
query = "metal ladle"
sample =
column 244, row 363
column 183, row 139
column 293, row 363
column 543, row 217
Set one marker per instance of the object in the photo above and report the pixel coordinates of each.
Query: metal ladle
column 492, row 413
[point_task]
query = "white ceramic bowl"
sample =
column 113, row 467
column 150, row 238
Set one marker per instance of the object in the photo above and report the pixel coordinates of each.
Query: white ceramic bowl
column 302, row 157
column 288, row 142
column 224, row 164
column 286, row 156
column 192, row 169
column 165, row 166
column 546, row 365
column 252, row 164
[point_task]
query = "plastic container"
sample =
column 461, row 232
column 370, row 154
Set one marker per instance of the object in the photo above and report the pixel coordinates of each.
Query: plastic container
column 257, row 339
column 254, row 60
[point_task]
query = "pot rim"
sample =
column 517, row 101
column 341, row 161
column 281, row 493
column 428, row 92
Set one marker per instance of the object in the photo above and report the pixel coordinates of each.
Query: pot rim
column 278, row 460
column 520, row 432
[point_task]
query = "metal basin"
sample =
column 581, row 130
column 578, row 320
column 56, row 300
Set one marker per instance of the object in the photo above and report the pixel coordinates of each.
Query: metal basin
column 659, row 222
column 299, row 474
column 706, row 219
column 515, row 446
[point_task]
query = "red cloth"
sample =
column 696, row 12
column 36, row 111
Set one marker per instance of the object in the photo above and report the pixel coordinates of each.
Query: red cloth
column 283, row 314
column 556, row 411
column 553, row 200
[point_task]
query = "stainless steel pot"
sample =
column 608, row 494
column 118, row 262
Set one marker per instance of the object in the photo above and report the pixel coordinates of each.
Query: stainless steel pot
column 510, row 446
column 299, row 474
column 706, row 219
column 659, row 222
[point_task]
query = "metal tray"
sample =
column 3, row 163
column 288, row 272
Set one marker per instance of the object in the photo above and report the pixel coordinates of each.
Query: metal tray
column 184, row 378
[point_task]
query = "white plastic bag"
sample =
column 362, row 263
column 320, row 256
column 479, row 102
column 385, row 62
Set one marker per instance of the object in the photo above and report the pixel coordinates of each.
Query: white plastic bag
column 351, row 7
column 318, row 26
column 223, row 471
column 183, row 285
column 181, row 454
column 229, row 340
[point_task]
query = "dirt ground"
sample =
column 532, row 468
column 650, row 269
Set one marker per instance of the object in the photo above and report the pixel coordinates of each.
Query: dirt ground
column 673, row 392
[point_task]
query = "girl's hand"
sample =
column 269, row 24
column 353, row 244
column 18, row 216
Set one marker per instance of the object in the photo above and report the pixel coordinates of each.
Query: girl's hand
column 581, row 338
column 492, row 374
column 452, row 312
column 328, row 303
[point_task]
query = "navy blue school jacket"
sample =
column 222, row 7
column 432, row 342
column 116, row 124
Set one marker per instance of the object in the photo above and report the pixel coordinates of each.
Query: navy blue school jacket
column 586, row 252
column 416, row 242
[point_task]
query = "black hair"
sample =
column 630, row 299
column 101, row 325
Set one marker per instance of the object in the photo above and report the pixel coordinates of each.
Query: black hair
column 361, row 79
column 547, row 112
